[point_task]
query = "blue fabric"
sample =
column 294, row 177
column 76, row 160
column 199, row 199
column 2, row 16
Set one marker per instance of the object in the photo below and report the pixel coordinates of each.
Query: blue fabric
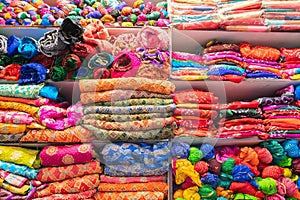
column 19, row 169
column 134, row 170
column 208, row 151
column 191, row 64
column 242, row 173
column 260, row 74
column 180, row 150
column 32, row 74
column 292, row 17
column 291, row 148
column 222, row 72
column 297, row 93
column 28, row 47
column 12, row 45
column 210, row 179
column 50, row 92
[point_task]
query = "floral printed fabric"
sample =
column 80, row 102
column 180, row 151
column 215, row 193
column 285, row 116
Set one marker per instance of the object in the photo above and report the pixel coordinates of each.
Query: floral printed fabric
column 129, row 110
column 66, row 155
column 14, row 106
column 111, row 135
column 58, row 118
column 18, row 169
column 19, row 155
column 15, row 90
column 124, row 118
column 135, row 102
column 141, row 125
column 70, row 186
column 12, row 128
column 73, row 134
column 140, row 84
column 144, row 179
column 134, row 187
column 119, row 95
column 33, row 102
column 134, row 170
column 53, row 174
column 15, row 117
column 76, row 196
column 194, row 96
column 12, row 179
column 21, row 191
column 129, row 195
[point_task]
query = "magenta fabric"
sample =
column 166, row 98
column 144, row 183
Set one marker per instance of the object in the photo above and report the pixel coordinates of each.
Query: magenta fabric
column 66, row 155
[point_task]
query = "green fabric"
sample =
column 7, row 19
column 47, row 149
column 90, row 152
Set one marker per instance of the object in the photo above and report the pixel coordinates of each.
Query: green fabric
column 4, row 60
column 207, row 192
column 58, row 73
column 277, row 151
column 24, row 91
column 225, row 180
column 134, row 102
column 266, row 185
column 228, row 166
column 286, row 162
column 195, row 155
column 124, row 118
column 240, row 196
column 18, row 59
column 20, row 156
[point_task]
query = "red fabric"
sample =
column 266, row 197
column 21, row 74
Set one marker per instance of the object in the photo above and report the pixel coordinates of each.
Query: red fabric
column 11, row 72
column 239, row 105
column 274, row 172
column 194, row 124
column 230, row 77
column 202, row 25
column 194, row 96
column 259, row 52
column 290, row 54
column 246, row 188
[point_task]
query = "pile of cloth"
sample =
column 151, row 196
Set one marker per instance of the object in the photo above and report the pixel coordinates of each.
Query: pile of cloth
column 281, row 15
column 186, row 66
column 280, row 114
column 68, row 172
column 240, row 120
column 18, row 170
column 224, row 61
column 268, row 170
column 195, row 112
column 134, row 171
column 290, row 63
column 128, row 109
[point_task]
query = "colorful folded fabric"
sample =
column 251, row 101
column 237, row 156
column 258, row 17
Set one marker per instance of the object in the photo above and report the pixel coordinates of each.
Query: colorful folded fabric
column 70, row 186
column 21, row 170
column 15, row 117
column 134, row 102
column 15, row 190
column 54, row 174
column 73, row 134
column 19, row 155
column 134, row 187
column 123, row 180
column 66, row 155
column 11, row 72
column 86, row 195
column 24, row 91
column 125, row 64
column 142, row 125
column 153, row 38
column 21, row 107
column 140, row 84
column 12, row 128
column 33, row 102
column 118, row 95
column 129, row 195
column 128, row 136
column 12, row 179
column 11, row 137
column 141, row 109
column 194, row 96
column 124, row 118
column 134, row 170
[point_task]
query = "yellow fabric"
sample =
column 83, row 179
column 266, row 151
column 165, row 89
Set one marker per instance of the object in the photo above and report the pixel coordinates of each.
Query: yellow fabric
column 191, row 193
column 12, row 128
column 287, row 172
column 178, row 194
column 221, row 192
column 35, row 125
column 295, row 77
column 14, row 106
column 21, row 191
column 184, row 169
column 20, row 156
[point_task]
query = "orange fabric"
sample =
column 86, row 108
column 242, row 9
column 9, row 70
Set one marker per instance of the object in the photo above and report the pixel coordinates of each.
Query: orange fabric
column 259, row 52
column 129, row 196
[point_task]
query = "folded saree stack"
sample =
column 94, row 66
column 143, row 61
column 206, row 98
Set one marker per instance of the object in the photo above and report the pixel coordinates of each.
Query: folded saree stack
column 195, row 112
column 240, row 120
column 186, row 66
column 268, row 170
column 282, row 15
column 68, row 172
column 134, row 171
column 18, row 170
column 195, row 15
column 290, row 63
column 128, row 109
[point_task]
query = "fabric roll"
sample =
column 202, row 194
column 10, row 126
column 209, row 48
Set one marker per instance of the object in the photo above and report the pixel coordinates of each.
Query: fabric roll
column 153, row 38
column 28, row 47
column 54, row 174
column 20, row 156
column 84, row 50
column 73, row 134
column 32, row 74
column 66, row 155
column 3, row 44
column 11, row 72
column 12, row 128
column 126, row 64
column 140, row 84
column 11, row 137
column 100, row 60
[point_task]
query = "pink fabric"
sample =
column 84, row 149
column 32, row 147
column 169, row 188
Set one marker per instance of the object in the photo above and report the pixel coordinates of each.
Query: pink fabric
column 117, row 180
column 66, row 155
column 11, row 117
column 12, row 179
column 126, row 64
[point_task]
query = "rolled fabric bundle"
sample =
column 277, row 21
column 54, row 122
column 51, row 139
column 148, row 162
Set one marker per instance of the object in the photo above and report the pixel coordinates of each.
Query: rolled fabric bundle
column 54, row 174
column 84, row 49
column 86, row 195
column 60, row 118
column 3, row 44
column 125, row 42
column 126, row 64
column 28, row 47
column 74, row 134
column 141, row 84
column 70, row 31
column 51, row 44
column 12, row 45
column 70, row 186
column 43, row 60
column 4, row 60
column 32, row 73
column 153, row 38
column 20, row 156
column 100, row 60
column 71, row 62
column 101, row 73
column 11, row 72
column 18, row 59
column 58, row 73
column 66, row 155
